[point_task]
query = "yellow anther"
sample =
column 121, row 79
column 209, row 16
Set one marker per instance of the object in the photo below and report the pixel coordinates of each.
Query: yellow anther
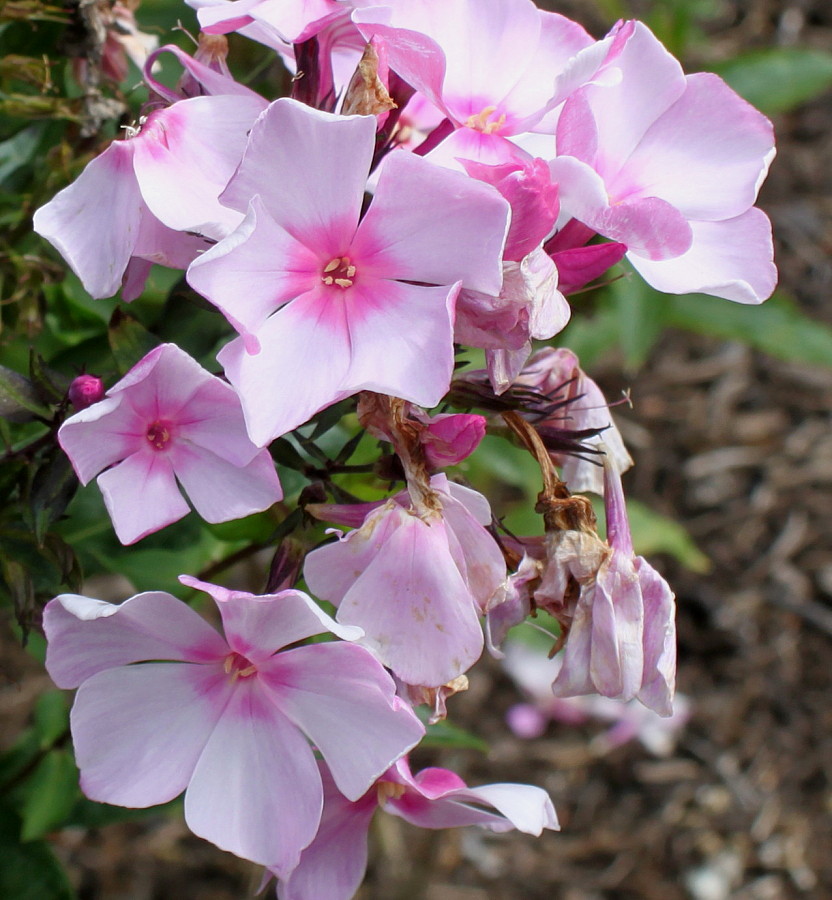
column 388, row 790
column 343, row 282
column 332, row 265
column 350, row 271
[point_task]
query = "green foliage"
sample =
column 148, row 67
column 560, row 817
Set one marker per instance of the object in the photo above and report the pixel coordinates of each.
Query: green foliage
column 778, row 79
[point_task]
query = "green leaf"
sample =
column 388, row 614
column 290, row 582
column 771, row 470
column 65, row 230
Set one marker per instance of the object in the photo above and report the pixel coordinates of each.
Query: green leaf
column 51, row 793
column 18, row 398
column 777, row 327
column 778, row 79
column 448, row 736
column 51, row 717
column 640, row 318
column 129, row 340
column 28, row 871
column 53, row 486
column 591, row 337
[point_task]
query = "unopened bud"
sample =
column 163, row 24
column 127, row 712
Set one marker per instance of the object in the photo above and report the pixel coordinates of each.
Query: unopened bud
column 85, row 390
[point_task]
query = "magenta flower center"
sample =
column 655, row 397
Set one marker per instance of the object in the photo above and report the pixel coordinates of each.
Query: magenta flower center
column 159, row 435
column 339, row 272
column 484, row 122
column 237, row 666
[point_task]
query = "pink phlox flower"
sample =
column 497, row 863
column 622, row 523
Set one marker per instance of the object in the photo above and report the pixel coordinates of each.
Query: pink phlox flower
column 556, row 373
column 167, row 420
column 513, row 605
column 494, row 67
column 353, row 303
column 166, row 704
column 670, row 165
column 533, row 672
column 333, row 866
column 622, row 637
column 416, row 586
column 153, row 197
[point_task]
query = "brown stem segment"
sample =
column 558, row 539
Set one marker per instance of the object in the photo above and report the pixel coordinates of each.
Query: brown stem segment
column 561, row 510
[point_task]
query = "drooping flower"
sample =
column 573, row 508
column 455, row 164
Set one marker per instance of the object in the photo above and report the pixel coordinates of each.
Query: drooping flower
column 669, row 165
column 227, row 719
column 416, row 585
column 622, row 636
column 333, row 865
column 153, row 197
column 351, row 305
column 167, row 420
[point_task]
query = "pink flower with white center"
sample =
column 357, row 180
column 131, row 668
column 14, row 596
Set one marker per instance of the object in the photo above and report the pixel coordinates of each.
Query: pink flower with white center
column 622, row 638
column 333, row 865
column 152, row 197
column 167, row 420
column 670, row 165
column 416, row 585
column 494, row 67
column 556, row 373
column 331, row 304
column 226, row 719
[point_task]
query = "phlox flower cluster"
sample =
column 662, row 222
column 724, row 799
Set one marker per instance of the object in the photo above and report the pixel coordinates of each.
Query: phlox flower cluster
column 445, row 173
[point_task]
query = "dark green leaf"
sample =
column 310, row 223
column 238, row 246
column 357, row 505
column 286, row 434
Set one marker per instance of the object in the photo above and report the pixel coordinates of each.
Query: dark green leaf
column 129, row 340
column 446, row 735
column 778, row 79
column 19, row 400
column 51, row 793
column 54, row 485
column 28, row 871
column 51, row 717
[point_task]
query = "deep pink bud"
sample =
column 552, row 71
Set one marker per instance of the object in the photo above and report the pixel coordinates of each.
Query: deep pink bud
column 85, row 390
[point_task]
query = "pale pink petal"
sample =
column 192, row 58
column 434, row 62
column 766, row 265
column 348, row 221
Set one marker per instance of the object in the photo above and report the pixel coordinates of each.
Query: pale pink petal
column 525, row 807
column 414, row 606
column 331, row 570
column 185, row 155
column 292, row 140
column 355, row 719
column 139, row 730
column 93, row 222
column 255, row 270
column 649, row 227
column 651, row 81
column 401, row 340
column 429, row 224
column 100, row 435
column 731, row 259
column 257, row 627
column 220, row 490
column 466, row 144
column 302, row 366
column 86, row 636
column 141, row 495
column 706, row 155
column 616, row 660
column 573, row 679
column 156, row 243
column 333, row 865
column 659, row 680
column 255, row 790
column 211, row 81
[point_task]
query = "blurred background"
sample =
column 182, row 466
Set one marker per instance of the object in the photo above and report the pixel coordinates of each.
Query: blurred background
column 732, row 490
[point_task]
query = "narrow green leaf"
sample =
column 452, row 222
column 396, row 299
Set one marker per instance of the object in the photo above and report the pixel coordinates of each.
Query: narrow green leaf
column 777, row 327
column 18, row 398
column 51, row 717
column 446, row 735
column 641, row 315
column 778, row 79
column 51, row 793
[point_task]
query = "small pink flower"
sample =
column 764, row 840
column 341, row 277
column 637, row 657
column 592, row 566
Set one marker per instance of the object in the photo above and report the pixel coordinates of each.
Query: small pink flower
column 333, row 865
column 167, row 420
column 416, row 586
column 351, row 302
column 227, row 719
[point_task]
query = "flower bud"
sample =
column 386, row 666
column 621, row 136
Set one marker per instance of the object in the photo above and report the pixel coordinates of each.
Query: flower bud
column 85, row 390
